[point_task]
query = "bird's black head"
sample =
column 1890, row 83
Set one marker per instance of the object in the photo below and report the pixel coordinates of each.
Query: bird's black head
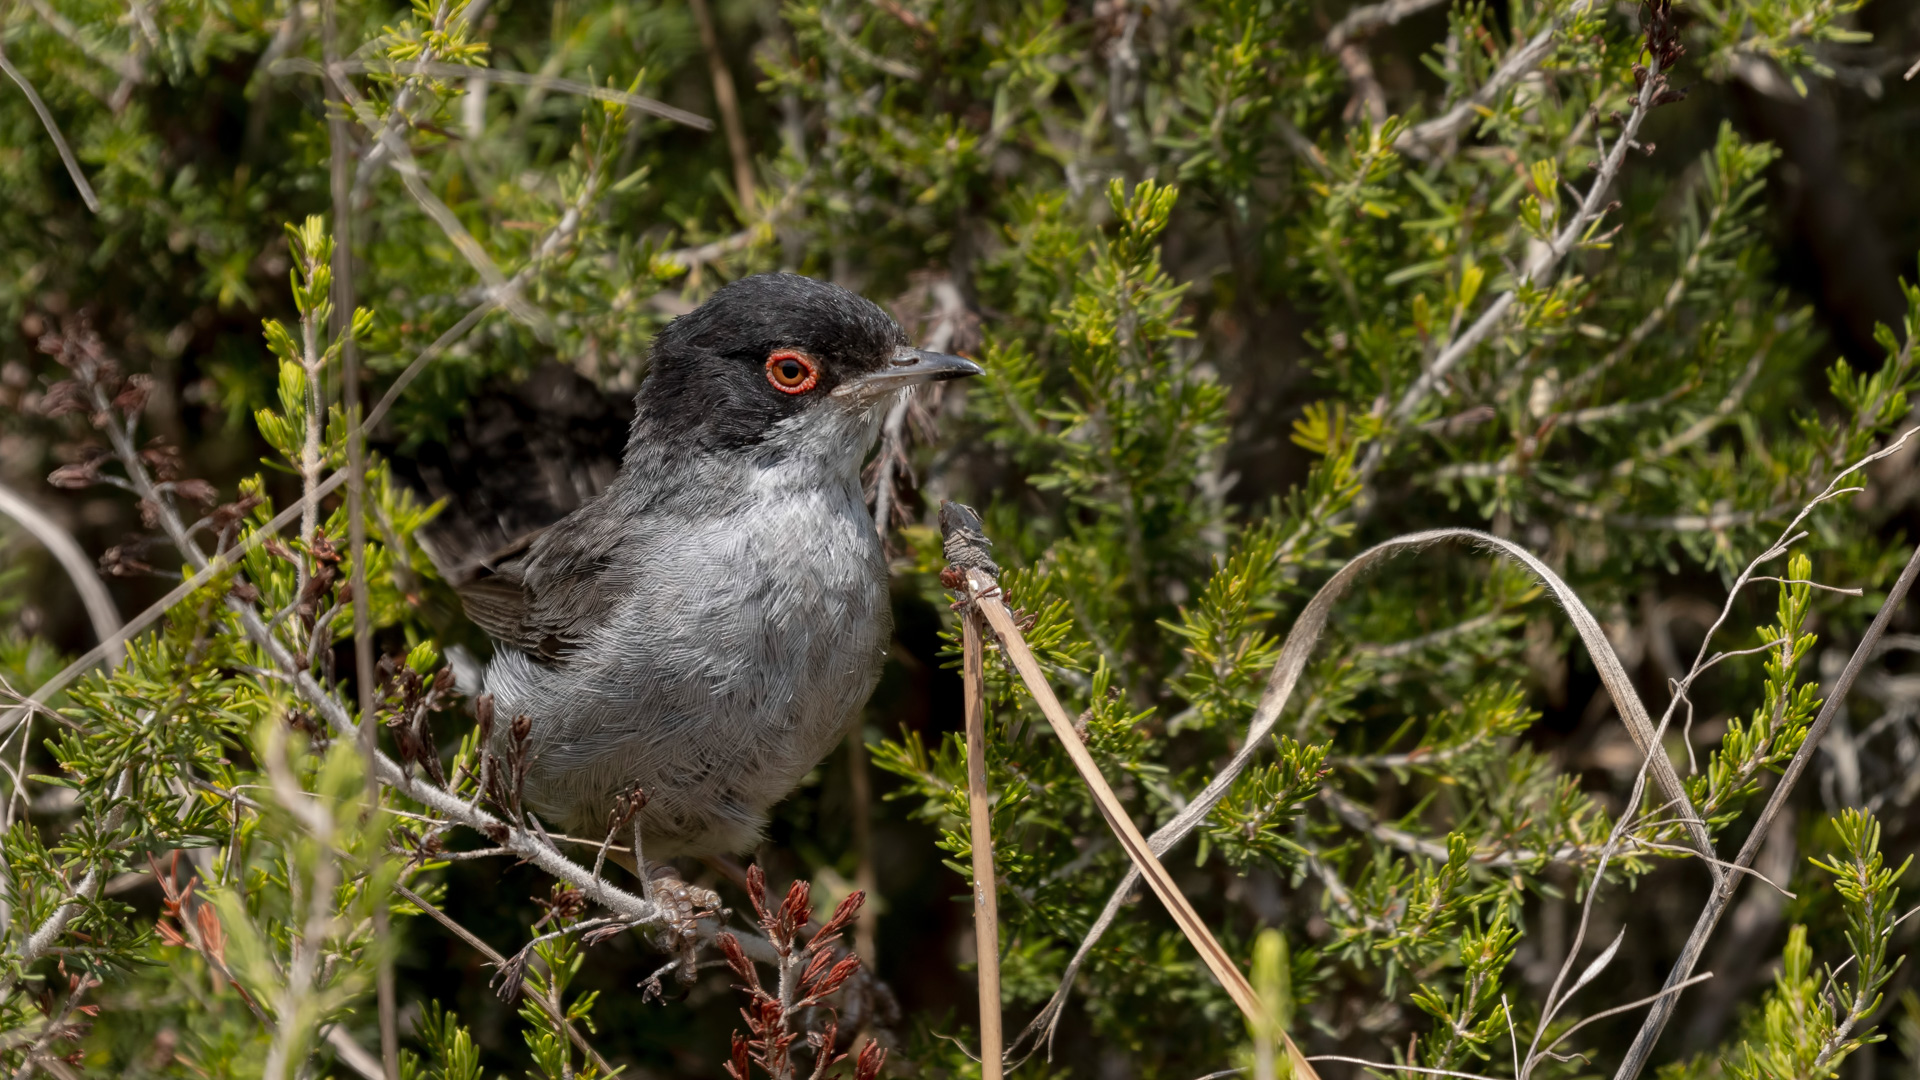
column 768, row 348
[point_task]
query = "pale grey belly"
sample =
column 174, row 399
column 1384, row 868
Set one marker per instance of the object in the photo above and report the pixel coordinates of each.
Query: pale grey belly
column 716, row 688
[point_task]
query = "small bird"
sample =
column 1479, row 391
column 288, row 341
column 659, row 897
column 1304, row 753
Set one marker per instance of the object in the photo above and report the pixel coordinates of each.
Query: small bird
column 710, row 625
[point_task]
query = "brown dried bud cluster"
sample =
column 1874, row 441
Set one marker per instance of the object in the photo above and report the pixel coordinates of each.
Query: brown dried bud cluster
column 506, row 782
column 1664, row 48
column 406, row 703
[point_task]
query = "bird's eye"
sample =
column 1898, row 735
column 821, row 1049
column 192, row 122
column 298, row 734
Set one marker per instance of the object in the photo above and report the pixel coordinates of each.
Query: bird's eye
column 792, row 372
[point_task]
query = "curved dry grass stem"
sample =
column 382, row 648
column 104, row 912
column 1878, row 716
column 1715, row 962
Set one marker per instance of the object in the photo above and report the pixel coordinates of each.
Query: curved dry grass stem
column 80, row 570
column 1291, row 663
column 53, row 131
column 1716, row 906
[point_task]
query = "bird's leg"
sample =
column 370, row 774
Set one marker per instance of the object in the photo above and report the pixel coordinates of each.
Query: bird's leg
column 640, row 865
column 683, row 904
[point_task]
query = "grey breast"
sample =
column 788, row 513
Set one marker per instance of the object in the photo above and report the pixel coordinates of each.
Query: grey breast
column 743, row 641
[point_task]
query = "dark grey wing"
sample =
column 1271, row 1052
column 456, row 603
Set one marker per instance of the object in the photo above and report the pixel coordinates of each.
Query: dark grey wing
column 498, row 605
column 546, row 601
column 522, row 460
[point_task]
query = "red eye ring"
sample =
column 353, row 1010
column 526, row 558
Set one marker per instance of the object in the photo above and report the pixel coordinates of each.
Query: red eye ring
column 792, row 372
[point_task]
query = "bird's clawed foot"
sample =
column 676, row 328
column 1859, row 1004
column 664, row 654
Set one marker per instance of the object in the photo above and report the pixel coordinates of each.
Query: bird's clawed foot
column 685, row 905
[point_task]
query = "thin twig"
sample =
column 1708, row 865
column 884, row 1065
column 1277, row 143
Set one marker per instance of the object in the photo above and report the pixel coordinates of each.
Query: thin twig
column 1422, row 140
column 394, row 150
column 498, row 961
column 441, row 70
column 949, row 309
column 55, row 924
column 354, row 1055
column 1356, row 816
column 1722, row 895
column 340, row 182
column 1362, row 21
column 728, row 103
column 866, row 925
column 1385, row 1066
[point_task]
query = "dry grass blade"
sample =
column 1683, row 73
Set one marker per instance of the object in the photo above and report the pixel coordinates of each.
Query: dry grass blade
column 1292, row 662
column 986, row 903
column 987, row 601
column 53, row 132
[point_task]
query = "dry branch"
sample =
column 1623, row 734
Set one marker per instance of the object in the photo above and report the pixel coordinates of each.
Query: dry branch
column 986, row 903
column 986, row 598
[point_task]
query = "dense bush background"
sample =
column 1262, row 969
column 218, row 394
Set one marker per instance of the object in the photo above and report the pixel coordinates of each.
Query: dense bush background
column 1206, row 263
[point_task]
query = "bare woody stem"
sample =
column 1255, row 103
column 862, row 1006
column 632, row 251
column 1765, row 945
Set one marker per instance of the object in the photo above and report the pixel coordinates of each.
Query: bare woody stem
column 340, row 182
column 728, row 104
column 986, row 901
column 1537, row 271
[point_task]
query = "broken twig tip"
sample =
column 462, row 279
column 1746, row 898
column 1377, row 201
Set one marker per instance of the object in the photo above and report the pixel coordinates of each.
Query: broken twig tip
column 964, row 539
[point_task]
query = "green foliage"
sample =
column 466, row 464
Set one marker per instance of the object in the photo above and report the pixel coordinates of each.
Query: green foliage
column 1238, row 328
column 450, row 1051
column 1809, row 1025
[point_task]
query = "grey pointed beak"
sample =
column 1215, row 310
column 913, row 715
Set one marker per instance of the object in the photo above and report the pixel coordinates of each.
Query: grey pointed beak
column 909, row 367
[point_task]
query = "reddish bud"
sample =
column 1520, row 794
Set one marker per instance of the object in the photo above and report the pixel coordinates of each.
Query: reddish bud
column 133, row 397
column 483, row 712
column 737, row 1068
column 63, row 397
column 73, row 477
column 841, row 972
column 198, row 491
column 163, row 459
column 873, row 1057
column 757, row 890
column 737, row 960
column 796, row 909
column 842, row 915
column 815, row 968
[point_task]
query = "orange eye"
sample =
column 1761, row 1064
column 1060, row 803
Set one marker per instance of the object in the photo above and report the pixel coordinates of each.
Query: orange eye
column 792, row 372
